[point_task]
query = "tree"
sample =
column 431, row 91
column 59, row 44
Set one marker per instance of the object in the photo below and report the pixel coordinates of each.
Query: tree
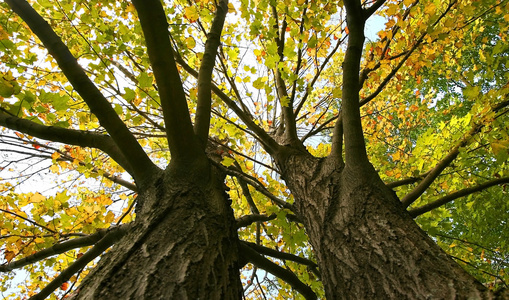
column 275, row 139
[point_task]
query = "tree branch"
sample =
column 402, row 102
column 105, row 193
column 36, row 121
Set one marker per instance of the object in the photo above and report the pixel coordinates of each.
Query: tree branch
column 373, row 8
column 355, row 148
column 406, row 181
column 270, row 145
column 435, row 172
column 440, row 166
column 247, row 220
column 58, row 249
column 179, row 129
column 247, row 194
column 204, row 102
column 337, row 138
column 107, row 175
column 451, row 197
column 140, row 163
column 299, row 58
column 288, row 117
column 386, row 80
column 257, row 185
column 109, row 239
column 67, row 136
column 28, row 220
column 324, row 126
column 261, row 262
column 317, row 75
column 285, row 256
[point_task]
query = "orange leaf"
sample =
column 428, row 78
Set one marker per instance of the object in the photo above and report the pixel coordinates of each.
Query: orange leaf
column 9, row 255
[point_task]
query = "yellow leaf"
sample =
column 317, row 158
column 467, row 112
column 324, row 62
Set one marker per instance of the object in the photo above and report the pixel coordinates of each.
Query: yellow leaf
column 231, row 8
column 191, row 14
column 110, row 217
column 54, row 169
column 396, row 156
column 55, row 155
column 130, row 8
column 190, row 42
column 498, row 146
column 3, row 34
column 449, row 23
column 444, row 185
column 228, row 161
column 392, row 9
column 36, row 198
column 430, row 9
column 371, row 64
column 193, row 93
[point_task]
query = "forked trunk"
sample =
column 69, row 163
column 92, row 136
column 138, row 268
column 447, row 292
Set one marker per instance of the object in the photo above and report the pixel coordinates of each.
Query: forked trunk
column 183, row 246
column 367, row 245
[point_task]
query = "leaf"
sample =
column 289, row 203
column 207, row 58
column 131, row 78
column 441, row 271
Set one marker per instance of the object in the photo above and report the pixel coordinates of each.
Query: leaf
column 190, row 42
column 499, row 146
column 500, row 149
column 144, row 80
column 6, row 88
column 129, row 94
column 228, row 161
column 9, row 255
column 36, row 198
column 54, row 169
column 191, row 13
column 55, row 155
column 285, row 101
column 231, row 8
column 313, row 41
column 60, row 102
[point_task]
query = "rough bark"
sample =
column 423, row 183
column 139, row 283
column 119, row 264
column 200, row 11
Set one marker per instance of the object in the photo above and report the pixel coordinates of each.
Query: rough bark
column 367, row 245
column 184, row 244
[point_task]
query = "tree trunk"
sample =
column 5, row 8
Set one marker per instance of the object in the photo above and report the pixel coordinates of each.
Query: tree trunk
column 183, row 245
column 367, row 245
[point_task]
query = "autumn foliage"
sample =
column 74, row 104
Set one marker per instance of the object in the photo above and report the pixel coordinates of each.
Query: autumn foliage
column 433, row 102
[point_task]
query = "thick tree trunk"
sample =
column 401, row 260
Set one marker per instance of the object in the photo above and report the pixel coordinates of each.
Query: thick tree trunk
column 367, row 245
column 184, row 245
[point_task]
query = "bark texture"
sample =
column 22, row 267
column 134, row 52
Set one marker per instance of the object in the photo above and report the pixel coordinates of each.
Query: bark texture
column 367, row 245
column 183, row 246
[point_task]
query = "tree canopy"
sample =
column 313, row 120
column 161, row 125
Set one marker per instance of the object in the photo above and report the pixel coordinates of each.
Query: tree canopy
column 96, row 95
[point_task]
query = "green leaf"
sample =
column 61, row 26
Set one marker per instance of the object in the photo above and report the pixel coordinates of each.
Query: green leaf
column 144, row 80
column 228, row 161
column 129, row 94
